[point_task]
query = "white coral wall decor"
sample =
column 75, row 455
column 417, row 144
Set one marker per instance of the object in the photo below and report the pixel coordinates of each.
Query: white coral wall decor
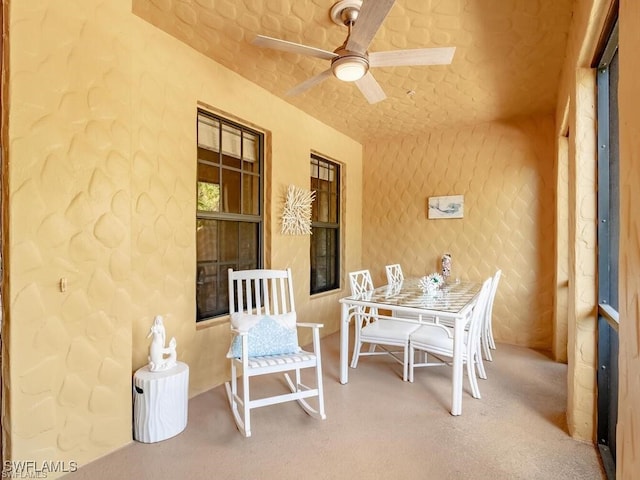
column 296, row 215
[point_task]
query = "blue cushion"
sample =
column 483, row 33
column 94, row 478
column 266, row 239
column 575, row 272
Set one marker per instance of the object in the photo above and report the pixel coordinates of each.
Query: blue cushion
column 267, row 334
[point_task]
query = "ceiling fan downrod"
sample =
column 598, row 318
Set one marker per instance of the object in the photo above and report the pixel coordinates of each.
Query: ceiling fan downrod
column 348, row 66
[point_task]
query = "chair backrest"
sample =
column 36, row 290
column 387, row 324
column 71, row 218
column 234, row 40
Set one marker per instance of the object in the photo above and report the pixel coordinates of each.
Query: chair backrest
column 477, row 316
column 492, row 294
column 360, row 281
column 261, row 291
column 394, row 274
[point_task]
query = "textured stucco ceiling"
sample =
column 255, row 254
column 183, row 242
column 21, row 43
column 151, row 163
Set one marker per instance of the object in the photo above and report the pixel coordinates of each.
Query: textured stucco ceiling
column 508, row 58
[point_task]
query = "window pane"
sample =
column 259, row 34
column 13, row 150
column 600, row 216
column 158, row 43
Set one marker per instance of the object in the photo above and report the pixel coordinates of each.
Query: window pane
column 208, row 297
column 323, row 206
column 251, row 167
column 250, row 195
column 208, row 133
column 230, row 191
column 206, row 241
column 333, row 208
column 228, row 241
column 249, row 147
column 248, row 245
column 208, row 188
column 208, row 156
column 231, row 141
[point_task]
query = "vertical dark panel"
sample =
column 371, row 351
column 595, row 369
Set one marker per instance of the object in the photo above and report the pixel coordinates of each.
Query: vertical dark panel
column 608, row 252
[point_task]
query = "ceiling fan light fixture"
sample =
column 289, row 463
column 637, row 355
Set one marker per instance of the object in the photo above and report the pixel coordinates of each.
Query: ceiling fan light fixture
column 350, row 68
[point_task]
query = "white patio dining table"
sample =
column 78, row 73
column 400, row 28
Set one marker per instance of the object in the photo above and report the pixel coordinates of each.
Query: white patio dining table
column 452, row 304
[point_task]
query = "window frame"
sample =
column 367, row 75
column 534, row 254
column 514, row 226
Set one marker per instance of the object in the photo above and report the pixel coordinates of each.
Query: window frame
column 238, row 219
column 334, row 227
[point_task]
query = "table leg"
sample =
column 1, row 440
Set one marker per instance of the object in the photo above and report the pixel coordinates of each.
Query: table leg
column 458, row 347
column 344, row 343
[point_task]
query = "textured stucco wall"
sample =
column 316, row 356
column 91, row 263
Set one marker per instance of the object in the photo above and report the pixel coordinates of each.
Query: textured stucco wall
column 628, row 430
column 561, row 308
column 505, row 172
column 102, row 177
column 575, row 117
column 69, row 353
column 581, row 348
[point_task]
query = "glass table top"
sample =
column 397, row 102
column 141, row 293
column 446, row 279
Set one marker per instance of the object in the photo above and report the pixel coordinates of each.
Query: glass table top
column 451, row 297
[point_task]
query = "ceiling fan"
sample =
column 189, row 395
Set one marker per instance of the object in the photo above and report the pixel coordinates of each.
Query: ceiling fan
column 350, row 62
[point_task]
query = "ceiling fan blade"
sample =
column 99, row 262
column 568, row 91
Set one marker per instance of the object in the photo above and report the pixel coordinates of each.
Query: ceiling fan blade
column 311, row 82
column 371, row 89
column 371, row 15
column 418, row 56
column 291, row 47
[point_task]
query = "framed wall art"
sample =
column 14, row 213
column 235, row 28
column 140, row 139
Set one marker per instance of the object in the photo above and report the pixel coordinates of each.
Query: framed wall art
column 451, row 206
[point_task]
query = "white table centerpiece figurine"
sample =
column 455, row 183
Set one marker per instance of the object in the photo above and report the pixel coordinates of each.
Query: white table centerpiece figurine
column 431, row 283
column 161, row 358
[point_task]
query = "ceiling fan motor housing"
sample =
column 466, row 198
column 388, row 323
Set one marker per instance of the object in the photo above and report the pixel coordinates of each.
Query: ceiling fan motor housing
column 349, row 66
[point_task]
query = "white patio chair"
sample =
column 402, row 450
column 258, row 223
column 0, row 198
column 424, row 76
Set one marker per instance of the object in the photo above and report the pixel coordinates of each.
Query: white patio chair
column 437, row 340
column 395, row 277
column 394, row 274
column 378, row 332
column 264, row 324
column 488, row 342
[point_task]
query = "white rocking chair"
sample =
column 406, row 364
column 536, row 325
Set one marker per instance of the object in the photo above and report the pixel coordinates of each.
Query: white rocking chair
column 263, row 321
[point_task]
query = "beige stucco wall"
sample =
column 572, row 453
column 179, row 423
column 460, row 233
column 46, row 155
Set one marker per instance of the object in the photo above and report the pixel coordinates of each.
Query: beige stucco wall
column 560, row 304
column 581, row 348
column 505, row 172
column 575, row 117
column 102, row 176
column 628, row 430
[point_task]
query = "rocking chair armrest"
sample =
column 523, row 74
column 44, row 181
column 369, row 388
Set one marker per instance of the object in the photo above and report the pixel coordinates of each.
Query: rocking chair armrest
column 310, row 325
column 235, row 331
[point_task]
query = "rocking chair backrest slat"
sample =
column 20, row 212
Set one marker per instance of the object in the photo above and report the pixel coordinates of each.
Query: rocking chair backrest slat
column 261, row 292
column 272, row 290
column 283, row 294
column 267, row 300
column 257, row 287
column 248, row 289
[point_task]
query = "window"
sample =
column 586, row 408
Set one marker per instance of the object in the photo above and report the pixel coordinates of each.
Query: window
column 608, row 238
column 229, row 209
column 325, row 225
